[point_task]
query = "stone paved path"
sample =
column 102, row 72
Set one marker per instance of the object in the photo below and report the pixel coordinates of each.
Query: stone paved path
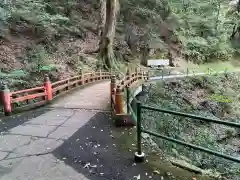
column 26, row 146
column 97, row 97
column 64, row 142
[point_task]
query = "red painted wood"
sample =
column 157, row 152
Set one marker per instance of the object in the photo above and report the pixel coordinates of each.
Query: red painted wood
column 5, row 97
column 28, row 90
column 27, row 97
column 49, row 89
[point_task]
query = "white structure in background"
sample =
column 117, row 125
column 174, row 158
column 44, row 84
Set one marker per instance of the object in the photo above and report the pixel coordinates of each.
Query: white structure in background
column 233, row 5
column 157, row 62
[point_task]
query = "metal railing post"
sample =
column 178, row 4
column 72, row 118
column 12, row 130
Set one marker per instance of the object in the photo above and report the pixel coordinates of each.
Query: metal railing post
column 139, row 155
column 139, row 148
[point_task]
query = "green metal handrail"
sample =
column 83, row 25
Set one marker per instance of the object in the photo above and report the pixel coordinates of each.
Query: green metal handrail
column 137, row 116
column 140, row 129
column 194, row 117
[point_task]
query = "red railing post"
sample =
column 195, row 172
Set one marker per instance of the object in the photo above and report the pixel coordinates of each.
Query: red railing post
column 91, row 76
column 100, row 75
column 128, row 74
column 113, row 85
column 5, row 98
column 136, row 73
column 94, row 76
column 82, row 76
column 148, row 75
column 145, row 75
column 48, row 88
column 119, row 101
column 142, row 74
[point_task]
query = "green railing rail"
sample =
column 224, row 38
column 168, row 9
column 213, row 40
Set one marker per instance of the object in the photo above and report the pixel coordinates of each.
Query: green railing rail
column 136, row 113
column 137, row 116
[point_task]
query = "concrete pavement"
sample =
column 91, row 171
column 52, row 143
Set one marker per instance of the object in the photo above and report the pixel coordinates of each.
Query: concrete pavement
column 27, row 142
column 69, row 140
column 26, row 150
column 95, row 96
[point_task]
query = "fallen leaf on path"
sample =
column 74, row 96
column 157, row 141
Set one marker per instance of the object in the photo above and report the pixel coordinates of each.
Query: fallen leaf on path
column 156, row 172
column 87, row 165
column 137, row 177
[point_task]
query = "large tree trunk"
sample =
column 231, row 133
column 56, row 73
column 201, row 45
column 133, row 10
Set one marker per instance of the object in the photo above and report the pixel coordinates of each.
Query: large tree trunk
column 170, row 57
column 102, row 17
column 106, row 43
column 236, row 28
column 101, row 22
column 145, row 55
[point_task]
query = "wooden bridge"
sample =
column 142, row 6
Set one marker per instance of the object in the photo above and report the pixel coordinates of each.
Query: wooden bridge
column 61, row 130
column 71, row 136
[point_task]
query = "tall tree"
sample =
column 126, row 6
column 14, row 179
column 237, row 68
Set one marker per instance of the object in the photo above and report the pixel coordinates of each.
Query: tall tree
column 102, row 17
column 236, row 27
column 107, row 38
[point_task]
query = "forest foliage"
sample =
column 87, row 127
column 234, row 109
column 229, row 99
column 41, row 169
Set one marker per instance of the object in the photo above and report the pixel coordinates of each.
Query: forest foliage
column 207, row 30
column 203, row 28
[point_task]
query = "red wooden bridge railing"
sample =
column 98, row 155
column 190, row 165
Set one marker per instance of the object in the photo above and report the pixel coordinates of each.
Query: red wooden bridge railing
column 117, row 88
column 29, row 98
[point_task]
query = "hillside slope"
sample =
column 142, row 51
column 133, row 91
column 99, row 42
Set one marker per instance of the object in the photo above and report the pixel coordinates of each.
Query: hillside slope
column 214, row 96
column 57, row 36
column 62, row 34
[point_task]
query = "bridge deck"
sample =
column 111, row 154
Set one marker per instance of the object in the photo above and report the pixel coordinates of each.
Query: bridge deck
column 64, row 141
column 94, row 97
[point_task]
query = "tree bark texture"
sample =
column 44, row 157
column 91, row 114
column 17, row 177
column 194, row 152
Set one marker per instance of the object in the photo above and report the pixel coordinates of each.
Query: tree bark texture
column 145, row 55
column 102, row 17
column 106, row 43
column 236, row 28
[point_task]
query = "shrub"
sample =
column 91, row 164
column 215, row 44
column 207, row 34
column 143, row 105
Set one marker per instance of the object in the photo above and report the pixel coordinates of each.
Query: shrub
column 183, row 98
column 36, row 59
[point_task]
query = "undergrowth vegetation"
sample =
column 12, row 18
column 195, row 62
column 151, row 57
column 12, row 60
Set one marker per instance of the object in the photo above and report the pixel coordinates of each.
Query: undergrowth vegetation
column 204, row 28
column 46, row 17
column 201, row 31
column 214, row 96
column 198, row 30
